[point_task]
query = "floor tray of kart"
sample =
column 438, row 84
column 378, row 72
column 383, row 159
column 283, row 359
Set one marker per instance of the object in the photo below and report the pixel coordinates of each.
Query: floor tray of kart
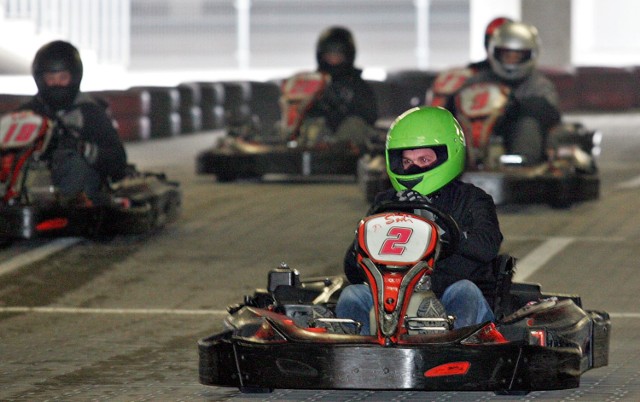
column 31, row 206
column 286, row 336
column 235, row 158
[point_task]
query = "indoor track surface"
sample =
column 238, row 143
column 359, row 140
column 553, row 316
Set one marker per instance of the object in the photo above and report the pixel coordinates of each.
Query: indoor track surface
column 119, row 320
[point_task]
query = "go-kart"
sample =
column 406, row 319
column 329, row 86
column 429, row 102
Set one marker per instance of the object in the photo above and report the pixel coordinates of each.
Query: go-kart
column 287, row 336
column 568, row 175
column 31, row 206
column 254, row 155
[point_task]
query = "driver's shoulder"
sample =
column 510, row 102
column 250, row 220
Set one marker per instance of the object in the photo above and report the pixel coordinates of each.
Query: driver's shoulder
column 459, row 192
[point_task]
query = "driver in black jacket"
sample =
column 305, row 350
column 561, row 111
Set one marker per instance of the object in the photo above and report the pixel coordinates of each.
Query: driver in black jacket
column 426, row 153
column 86, row 149
column 347, row 110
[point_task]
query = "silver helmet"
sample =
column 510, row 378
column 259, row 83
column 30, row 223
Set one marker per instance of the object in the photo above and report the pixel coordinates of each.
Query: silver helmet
column 514, row 49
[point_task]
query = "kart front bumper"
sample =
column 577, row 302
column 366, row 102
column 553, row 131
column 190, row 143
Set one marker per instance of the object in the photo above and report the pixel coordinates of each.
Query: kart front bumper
column 508, row 368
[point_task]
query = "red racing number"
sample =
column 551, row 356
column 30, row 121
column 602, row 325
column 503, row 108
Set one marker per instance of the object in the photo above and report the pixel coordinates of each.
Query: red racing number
column 397, row 238
column 23, row 135
column 480, row 101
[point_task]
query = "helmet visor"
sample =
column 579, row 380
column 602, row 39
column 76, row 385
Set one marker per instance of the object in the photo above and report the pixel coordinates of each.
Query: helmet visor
column 512, row 57
column 413, row 161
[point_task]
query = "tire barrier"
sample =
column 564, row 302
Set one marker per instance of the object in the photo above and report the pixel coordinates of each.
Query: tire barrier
column 391, row 98
column 10, row 102
column 606, row 88
column 130, row 112
column 212, row 98
column 414, row 83
column 237, row 116
column 564, row 80
column 164, row 114
column 190, row 109
column 264, row 107
column 147, row 112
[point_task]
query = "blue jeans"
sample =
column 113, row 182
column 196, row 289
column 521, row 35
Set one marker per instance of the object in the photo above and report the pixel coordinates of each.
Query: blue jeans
column 463, row 299
column 72, row 175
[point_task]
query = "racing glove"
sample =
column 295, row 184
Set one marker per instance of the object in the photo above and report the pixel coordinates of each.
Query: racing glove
column 416, row 197
column 412, row 196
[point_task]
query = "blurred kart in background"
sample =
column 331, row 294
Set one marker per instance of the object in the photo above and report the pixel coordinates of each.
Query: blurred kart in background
column 253, row 153
column 30, row 206
column 569, row 174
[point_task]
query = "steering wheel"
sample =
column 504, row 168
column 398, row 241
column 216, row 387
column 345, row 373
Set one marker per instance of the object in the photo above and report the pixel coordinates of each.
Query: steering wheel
column 450, row 239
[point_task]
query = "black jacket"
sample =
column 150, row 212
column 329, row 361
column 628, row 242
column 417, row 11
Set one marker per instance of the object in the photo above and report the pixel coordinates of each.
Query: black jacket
column 475, row 213
column 87, row 120
column 346, row 95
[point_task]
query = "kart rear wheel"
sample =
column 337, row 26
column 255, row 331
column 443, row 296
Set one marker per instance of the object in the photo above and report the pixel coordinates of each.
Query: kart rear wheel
column 560, row 204
column 226, row 177
column 255, row 390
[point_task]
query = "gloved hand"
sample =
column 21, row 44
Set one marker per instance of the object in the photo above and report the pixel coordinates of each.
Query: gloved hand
column 412, row 196
column 89, row 150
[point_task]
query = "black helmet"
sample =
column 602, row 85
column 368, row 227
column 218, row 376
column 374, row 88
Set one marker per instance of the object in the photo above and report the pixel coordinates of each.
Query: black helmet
column 335, row 40
column 53, row 57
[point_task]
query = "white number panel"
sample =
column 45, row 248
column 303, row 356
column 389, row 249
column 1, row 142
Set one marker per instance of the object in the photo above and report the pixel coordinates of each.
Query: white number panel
column 20, row 129
column 482, row 99
column 397, row 238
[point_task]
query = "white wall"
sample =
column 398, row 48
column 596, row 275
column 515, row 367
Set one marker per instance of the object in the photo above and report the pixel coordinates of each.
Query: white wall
column 481, row 13
column 605, row 32
column 591, row 32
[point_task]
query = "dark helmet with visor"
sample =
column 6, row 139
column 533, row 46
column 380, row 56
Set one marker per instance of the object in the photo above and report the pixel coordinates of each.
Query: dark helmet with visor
column 54, row 57
column 335, row 40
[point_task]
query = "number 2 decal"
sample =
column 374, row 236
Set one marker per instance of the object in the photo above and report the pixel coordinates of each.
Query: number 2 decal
column 397, row 237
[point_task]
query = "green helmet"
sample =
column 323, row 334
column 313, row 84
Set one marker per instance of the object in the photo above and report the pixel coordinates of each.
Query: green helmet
column 426, row 127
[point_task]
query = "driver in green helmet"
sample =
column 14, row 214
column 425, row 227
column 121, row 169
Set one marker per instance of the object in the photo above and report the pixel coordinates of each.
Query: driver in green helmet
column 425, row 155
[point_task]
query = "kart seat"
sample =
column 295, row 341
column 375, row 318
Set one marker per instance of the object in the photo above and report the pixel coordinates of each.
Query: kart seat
column 425, row 314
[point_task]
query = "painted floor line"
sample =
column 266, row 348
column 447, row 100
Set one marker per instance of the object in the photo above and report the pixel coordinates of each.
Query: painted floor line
column 596, row 239
column 624, row 315
column 541, row 255
column 37, row 254
column 83, row 310
column 629, row 184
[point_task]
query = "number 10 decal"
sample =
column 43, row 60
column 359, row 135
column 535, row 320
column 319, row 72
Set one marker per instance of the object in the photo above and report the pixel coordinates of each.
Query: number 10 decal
column 397, row 238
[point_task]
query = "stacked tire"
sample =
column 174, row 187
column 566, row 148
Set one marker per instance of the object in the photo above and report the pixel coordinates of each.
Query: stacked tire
column 130, row 110
column 164, row 113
